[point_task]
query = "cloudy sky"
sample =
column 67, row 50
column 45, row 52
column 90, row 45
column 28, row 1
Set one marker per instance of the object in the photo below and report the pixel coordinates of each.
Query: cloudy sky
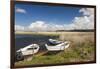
column 30, row 17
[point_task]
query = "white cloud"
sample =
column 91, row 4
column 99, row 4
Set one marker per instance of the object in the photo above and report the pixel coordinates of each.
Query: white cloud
column 19, row 28
column 20, row 10
column 86, row 21
column 37, row 26
column 87, row 11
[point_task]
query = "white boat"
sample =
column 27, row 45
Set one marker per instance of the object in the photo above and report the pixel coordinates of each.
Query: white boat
column 53, row 41
column 28, row 50
column 58, row 47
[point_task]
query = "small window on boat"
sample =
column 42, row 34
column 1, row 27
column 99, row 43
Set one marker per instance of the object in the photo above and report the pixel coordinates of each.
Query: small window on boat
column 35, row 47
column 30, row 49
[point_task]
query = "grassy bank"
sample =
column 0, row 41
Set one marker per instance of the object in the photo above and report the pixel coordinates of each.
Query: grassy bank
column 82, row 49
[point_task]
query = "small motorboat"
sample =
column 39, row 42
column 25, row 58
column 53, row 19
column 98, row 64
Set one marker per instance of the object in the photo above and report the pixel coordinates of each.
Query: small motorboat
column 53, row 41
column 58, row 47
column 28, row 50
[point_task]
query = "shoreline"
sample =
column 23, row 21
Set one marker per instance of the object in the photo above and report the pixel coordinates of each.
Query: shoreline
column 30, row 33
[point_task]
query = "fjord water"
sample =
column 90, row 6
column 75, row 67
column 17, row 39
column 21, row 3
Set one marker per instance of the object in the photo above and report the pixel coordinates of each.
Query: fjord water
column 25, row 40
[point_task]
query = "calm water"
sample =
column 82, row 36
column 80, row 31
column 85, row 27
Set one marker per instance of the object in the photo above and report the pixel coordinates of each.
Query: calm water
column 24, row 40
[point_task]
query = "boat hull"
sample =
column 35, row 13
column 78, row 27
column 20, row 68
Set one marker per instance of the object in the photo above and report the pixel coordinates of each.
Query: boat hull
column 57, row 47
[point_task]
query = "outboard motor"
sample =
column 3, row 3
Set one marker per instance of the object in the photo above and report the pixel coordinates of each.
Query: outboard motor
column 19, row 56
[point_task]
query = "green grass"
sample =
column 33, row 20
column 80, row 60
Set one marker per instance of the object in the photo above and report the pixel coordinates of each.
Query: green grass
column 81, row 49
